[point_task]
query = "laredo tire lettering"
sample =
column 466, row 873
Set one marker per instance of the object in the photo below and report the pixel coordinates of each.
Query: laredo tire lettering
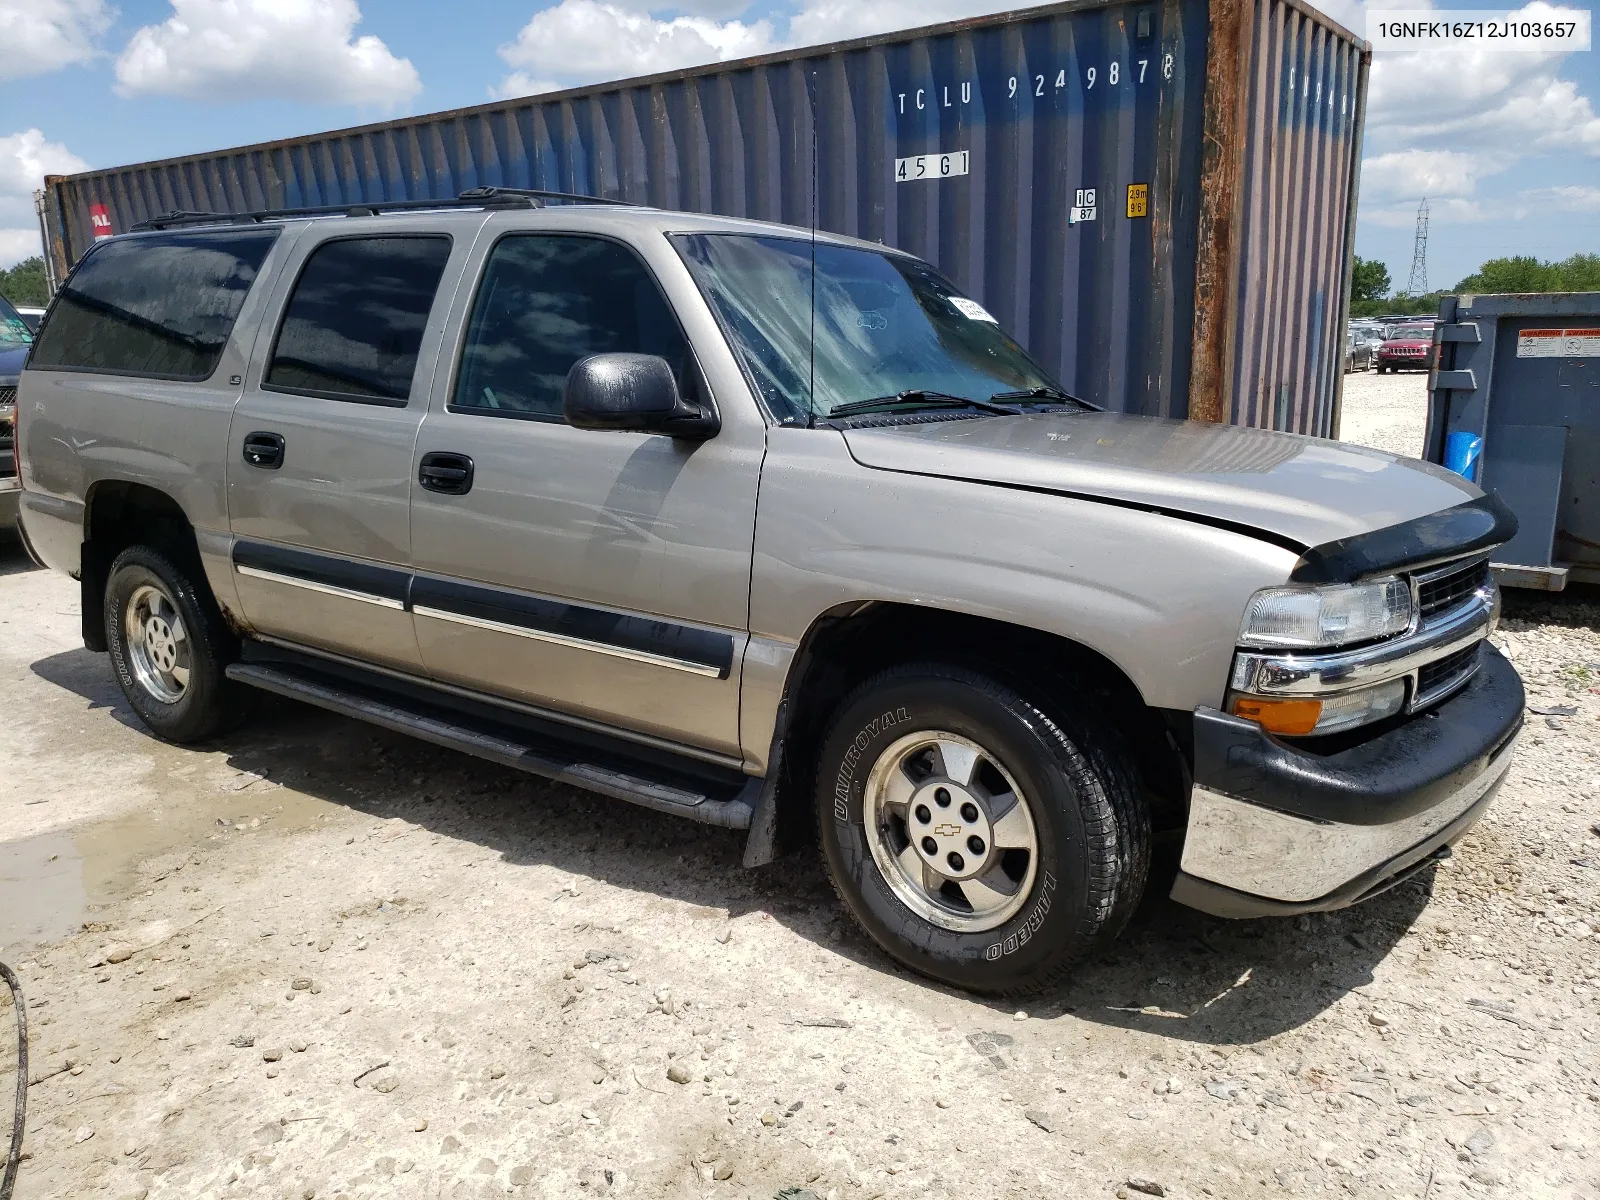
column 1030, row 923
column 852, row 756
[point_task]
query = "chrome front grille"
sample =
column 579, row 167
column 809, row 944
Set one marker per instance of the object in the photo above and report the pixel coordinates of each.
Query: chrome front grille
column 1447, row 587
column 8, row 395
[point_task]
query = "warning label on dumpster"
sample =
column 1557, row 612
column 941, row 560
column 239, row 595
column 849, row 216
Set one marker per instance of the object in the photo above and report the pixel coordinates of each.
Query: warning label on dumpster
column 1558, row 343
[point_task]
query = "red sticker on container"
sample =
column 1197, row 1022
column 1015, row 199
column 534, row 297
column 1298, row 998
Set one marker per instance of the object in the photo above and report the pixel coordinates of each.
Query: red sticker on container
column 100, row 221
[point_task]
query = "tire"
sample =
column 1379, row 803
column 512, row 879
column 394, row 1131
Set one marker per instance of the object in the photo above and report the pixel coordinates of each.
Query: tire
column 169, row 648
column 1035, row 895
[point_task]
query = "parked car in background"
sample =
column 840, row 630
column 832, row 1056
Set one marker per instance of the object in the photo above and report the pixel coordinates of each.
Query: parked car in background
column 15, row 340
column 1358, row 351
column 31, row 316
column 1407, row 348
column 774, row 530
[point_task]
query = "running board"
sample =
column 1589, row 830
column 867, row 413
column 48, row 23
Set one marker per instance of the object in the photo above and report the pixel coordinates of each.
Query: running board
column 712, row 798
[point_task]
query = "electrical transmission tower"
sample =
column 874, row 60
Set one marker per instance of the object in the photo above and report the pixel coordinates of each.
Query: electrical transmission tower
column 1417, row 285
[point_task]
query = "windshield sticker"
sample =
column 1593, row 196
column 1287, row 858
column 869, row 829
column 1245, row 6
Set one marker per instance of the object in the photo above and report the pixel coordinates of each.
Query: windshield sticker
column 12, row 329
column 872, row 320
column 971, row 309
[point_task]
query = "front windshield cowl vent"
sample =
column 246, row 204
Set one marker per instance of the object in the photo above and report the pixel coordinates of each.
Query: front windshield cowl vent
column 883, row 420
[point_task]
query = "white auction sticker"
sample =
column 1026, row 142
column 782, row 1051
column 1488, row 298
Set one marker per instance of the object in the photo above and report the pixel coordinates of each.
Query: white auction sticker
column 1479, row 29
column 971, row 309
column 1558, row 343
column 931, row 166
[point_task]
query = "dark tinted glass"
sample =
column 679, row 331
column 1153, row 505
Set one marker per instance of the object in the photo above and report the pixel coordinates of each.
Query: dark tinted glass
column 159, row 305
column 355, row 321
column 545, row 302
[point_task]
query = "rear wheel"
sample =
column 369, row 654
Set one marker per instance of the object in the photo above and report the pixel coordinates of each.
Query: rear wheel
column 978, row 837
column 169, row 648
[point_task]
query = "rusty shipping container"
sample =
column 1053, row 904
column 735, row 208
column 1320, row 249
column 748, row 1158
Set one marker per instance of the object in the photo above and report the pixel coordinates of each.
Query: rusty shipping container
column 1156, row 197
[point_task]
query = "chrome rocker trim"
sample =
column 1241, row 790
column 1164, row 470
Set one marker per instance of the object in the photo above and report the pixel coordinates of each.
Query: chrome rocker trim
column 559, row 639
column 327, row 589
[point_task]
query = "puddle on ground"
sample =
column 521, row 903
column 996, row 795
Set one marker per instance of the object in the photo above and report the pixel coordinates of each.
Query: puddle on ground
column 51, row 883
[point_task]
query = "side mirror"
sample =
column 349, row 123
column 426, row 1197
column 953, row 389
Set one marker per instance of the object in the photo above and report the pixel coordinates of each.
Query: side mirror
column 632, row 392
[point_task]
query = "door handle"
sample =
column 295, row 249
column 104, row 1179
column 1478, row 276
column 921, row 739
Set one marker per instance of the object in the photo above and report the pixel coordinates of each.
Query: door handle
column 264, row 450
column 446, row 473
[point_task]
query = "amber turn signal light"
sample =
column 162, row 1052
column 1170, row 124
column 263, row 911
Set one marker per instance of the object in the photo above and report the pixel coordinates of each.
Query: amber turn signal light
column 1292, row 718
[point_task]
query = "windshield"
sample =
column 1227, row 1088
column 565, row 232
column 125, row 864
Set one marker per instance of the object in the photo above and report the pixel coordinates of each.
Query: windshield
column 1411, row 333
column 885, row 324
column 13, row 330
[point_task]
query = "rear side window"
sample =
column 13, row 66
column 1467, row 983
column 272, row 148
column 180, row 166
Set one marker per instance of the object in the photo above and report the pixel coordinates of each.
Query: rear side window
column 160, row 306
column 548, row 300
column 354, row 323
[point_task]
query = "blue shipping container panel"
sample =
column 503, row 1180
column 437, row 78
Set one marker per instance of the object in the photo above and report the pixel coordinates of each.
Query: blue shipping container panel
column 1049, row 161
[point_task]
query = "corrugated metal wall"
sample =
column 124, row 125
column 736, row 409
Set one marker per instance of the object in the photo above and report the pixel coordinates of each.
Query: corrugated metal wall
column 1306, row 86
column 1038, row 105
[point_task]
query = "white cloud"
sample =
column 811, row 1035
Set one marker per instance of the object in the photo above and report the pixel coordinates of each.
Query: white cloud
column 18, row 244
column 1568, row 198
column 26, row 158
column 38, row 36
column 836, row 20
column 217, row 50
column 1512, row 102
column 587, row 41
column 1409, row 174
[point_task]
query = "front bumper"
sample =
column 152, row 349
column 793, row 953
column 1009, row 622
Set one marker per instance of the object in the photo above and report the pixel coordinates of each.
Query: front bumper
column 1275, row 829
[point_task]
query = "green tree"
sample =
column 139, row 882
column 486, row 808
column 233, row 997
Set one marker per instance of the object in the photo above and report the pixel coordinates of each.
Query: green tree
column 1369, row 279
column 25, row 283
column 1524, row 273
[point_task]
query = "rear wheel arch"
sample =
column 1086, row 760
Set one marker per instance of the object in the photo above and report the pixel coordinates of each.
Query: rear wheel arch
column 118, row 514
column 851, row 642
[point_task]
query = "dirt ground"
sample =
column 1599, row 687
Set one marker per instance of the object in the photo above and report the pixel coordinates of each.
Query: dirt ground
column 320, row 960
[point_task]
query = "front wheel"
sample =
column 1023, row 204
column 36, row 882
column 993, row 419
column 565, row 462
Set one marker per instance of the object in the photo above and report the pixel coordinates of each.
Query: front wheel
column 980, row 838
column 169, row 648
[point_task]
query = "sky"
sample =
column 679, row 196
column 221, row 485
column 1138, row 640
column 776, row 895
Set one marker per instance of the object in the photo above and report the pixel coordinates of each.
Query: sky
column 1505, row 145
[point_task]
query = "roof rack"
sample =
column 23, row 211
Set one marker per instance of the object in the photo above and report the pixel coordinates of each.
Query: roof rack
column 480, row 197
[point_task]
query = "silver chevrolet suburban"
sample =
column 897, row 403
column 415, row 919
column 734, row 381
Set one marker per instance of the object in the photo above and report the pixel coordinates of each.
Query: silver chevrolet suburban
column 777, row 531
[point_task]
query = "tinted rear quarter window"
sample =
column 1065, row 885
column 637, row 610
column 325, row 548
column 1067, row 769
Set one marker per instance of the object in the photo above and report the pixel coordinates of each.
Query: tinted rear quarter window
column 159, row 305
column 354, row 324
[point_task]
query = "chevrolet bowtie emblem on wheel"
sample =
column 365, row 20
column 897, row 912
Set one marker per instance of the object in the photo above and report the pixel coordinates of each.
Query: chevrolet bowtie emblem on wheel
column 947, row 830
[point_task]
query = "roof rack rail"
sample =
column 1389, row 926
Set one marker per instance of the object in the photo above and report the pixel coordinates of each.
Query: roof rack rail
column 481, row 197
column 481, row 194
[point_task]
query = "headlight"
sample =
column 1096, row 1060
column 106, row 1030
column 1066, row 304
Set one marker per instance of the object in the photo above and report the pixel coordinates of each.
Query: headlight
column 1316, row 618
column 1297, row 716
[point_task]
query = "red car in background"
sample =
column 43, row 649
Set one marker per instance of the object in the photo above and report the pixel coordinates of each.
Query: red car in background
column 1407, row 348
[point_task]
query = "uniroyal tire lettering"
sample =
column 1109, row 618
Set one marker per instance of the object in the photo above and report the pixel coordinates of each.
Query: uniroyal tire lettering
column 1030, row 924
column 852, row 756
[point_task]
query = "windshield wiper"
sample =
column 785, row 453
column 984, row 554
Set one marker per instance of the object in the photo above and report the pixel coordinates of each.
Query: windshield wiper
column 1043, row 392
column 921, row 399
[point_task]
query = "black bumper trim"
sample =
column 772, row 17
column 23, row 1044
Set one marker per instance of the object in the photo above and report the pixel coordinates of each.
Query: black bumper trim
column 1222, row 901
column 1394, row 775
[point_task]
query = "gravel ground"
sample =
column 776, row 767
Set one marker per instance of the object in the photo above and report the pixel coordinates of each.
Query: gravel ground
column 1388, row 412
column 320, row 960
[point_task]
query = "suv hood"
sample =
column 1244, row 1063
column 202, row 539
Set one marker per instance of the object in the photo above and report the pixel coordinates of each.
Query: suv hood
column 1297, row 489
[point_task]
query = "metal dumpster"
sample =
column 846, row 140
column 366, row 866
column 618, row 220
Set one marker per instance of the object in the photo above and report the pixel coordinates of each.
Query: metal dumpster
column 1156, row 196
column 1522, row 373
